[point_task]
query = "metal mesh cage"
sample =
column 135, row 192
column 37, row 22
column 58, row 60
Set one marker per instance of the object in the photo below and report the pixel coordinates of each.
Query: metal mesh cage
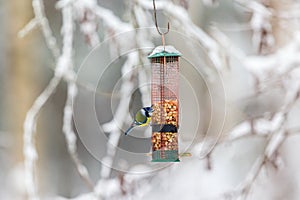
column 164, row 97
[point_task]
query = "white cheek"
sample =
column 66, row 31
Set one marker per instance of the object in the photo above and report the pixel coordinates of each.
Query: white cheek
column 143, row 112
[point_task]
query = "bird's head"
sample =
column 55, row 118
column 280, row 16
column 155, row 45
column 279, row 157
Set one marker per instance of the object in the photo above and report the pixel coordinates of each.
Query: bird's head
column 149, row 110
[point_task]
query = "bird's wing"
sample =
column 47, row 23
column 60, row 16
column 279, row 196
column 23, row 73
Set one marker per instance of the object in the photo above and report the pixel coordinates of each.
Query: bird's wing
column 140, row 118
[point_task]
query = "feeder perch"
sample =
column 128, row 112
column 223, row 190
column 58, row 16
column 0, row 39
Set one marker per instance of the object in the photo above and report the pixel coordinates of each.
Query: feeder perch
column 164, row 98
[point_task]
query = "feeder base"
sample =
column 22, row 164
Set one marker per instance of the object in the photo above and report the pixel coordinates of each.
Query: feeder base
column 165, row 156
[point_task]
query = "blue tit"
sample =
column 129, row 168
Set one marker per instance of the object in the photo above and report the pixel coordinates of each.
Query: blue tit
column 142, row 118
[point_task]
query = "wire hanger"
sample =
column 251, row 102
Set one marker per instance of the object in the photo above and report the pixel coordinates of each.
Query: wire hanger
column 157, row 28
column 162, row 73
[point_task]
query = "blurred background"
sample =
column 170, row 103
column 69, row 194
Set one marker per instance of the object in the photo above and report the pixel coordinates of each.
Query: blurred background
column 239, row 93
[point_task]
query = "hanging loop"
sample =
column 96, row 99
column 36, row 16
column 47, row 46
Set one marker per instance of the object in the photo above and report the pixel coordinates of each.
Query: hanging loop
column 156, row 24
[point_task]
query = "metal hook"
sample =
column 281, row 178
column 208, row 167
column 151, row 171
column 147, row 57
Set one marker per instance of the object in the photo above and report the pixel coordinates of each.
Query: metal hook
column 156, row 24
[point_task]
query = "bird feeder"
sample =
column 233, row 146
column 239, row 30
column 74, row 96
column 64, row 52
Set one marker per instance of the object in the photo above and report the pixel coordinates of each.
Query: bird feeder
column 164, row 98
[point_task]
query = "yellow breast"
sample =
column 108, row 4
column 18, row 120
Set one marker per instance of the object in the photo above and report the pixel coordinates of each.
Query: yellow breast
column 147, row 122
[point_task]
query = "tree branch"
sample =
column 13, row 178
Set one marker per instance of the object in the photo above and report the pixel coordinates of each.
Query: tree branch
column 41, row 20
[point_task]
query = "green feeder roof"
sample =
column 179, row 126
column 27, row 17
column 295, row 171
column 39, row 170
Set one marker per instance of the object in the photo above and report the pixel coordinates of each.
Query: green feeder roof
column 168, row 51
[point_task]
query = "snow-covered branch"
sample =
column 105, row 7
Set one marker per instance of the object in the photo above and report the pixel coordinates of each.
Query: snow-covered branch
column 30, row 152
column 64, row 69
column 70, row 77
column 41, row 20
column 276, row 133
column 121, row 114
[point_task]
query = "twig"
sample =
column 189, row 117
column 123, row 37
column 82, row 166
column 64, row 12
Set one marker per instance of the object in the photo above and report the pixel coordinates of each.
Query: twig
column 70, row 136
column 30, row 152
column 260, row 162
column 61, row 71
column 111, row 20
column 120, row 115
column 274, row 142
column 41, row 20
column 28, row 27
column 70, row 77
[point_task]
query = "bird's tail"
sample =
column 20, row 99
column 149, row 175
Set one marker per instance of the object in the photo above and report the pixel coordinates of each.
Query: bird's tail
column 129, row 129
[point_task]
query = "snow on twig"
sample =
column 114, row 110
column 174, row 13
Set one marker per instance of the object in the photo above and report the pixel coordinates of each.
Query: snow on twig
column 283, row 63
column 63, row 70
column 29, row 149
column 103, row 188
column 41, row 20
column 70, row 136
column 70, row 77
column 87, row 20
column 30, row 152
column 28, row 27
column 261, row 25
column 277, row 64
column 274, row 142
column 111, row 20
column 121, row 114
column 278, row 134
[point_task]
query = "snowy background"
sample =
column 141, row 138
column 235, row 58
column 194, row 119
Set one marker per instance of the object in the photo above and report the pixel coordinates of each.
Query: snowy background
column 72, row 73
